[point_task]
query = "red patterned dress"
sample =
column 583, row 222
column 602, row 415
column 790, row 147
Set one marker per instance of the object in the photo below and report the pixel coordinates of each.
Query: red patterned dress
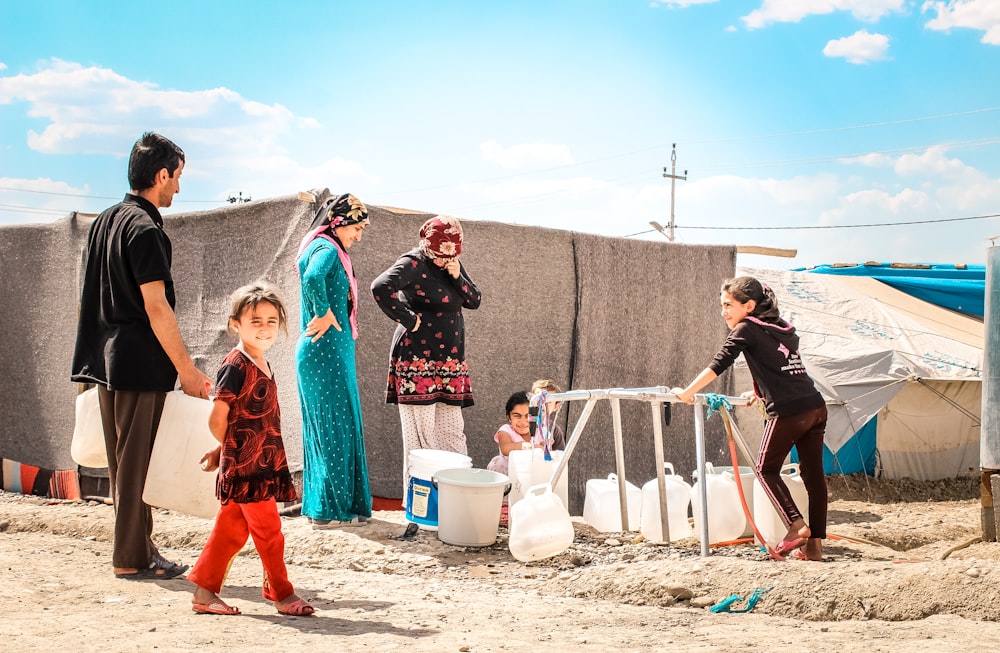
column 253, row 466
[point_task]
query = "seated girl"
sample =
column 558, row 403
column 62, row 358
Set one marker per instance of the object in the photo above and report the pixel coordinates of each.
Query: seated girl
column 515, row 433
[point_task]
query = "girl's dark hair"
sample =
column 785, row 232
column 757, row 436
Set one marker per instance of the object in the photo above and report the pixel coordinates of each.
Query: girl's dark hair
column 743, row 289
column 516, row 399
column 249, row 296
column 150, row 154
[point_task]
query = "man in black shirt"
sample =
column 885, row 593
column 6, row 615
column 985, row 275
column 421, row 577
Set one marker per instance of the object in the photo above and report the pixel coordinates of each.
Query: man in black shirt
column 129, row 343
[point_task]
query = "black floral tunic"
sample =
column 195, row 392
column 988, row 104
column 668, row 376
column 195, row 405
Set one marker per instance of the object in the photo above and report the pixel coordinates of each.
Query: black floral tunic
column 427, row 366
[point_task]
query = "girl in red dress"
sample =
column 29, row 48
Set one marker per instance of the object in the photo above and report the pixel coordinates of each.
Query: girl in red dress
column 253, row 471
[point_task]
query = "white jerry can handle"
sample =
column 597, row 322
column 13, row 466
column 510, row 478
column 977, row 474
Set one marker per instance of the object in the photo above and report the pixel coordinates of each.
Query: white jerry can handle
column 792, row 468
column 669, row 466
column 534, row 489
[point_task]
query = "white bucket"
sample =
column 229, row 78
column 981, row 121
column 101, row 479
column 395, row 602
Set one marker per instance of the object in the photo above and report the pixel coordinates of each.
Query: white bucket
column 726, row 520
column 421, row 495
column 529, row 467
column 175, row 479
column 469, row 502
column 540, row 525
column 602, row 508
column 678, row 502
column 768, row 520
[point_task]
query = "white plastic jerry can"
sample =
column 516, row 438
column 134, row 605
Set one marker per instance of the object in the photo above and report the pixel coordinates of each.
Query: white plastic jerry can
column 540, row 525
column 726, row 521
column 602, row 508
column 678, row 502
column 769, row 522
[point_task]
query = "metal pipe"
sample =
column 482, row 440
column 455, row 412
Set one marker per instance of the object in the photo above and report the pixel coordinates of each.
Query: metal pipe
column 661, row 481
column 699, row 444
column 616, row 416
column 571, row 443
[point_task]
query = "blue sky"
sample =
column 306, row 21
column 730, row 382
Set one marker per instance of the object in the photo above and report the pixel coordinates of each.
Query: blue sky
column 797, row 121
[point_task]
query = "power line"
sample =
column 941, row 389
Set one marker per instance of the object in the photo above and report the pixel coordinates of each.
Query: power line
column 96, row 197
column 829, row 226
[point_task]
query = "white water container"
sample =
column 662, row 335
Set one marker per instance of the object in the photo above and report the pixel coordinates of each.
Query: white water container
column 175, row 479
column 768, row 520
column 540, row 525
column 678, row 502
column 87, row 447
column 527, row 468
column 421, row 495
column 747, row 479
column 469, row 502
column 726, row 520
column 602, row 508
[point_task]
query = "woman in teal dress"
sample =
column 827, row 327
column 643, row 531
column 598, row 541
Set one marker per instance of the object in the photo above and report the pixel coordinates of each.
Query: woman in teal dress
column 335, row 477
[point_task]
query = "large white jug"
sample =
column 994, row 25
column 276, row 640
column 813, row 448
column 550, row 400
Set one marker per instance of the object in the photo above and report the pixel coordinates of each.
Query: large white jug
column 678, row 501
column 726, row 520
column 540, row 525
column 527, row 468
column 602, row 508
column 175, row 480
column 768, row 520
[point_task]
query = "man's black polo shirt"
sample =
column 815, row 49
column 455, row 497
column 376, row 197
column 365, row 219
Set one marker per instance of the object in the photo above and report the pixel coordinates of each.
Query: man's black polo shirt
column 115, row 344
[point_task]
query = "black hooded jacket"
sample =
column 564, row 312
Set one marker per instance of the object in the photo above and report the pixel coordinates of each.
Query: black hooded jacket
column 771, row 350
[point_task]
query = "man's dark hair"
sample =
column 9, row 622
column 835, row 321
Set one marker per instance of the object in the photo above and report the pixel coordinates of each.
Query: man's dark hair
column 151, row 153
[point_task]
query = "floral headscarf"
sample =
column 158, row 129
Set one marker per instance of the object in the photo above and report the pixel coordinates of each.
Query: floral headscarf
column 441, row 237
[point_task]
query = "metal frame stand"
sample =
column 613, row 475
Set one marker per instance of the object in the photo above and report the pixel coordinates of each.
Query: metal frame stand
column 656, row 397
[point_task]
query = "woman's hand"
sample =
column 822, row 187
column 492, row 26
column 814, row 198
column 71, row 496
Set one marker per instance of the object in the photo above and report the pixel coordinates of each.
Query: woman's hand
column 318, row 326
column 210, row 461
column 750, row 396
column 453, row 267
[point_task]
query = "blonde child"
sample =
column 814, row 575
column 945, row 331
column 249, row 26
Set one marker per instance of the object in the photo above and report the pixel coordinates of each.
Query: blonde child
column 253, row 471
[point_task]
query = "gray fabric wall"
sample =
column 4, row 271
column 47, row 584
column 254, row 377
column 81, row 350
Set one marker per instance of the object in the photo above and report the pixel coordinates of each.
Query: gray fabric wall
column 587, row 311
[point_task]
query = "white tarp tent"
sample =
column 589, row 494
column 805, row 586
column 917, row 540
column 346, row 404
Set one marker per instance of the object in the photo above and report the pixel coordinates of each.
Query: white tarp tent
column 876, row 352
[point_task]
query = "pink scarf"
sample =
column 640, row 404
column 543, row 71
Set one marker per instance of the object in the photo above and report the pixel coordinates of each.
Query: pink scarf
column 323, row 231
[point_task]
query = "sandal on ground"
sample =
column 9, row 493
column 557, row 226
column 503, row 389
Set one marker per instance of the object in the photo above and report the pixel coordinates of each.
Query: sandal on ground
column 785, row 547
column 297, row 608
column 159, row 569
column 215, row 606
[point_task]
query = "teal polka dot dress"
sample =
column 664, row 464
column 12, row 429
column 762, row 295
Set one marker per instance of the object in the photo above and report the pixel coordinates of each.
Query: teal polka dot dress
column 335, row 474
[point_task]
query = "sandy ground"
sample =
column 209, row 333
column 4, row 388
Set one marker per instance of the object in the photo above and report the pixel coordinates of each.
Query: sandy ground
column 903, row 576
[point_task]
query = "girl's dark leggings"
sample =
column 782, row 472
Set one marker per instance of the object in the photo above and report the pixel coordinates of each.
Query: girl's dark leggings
column 805, row 431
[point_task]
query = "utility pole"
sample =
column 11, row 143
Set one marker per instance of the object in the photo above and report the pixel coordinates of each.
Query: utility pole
column 673, row 176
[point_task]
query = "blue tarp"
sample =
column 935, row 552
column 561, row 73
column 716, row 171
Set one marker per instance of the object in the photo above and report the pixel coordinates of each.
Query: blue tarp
column 959, row 288
column 857, row 456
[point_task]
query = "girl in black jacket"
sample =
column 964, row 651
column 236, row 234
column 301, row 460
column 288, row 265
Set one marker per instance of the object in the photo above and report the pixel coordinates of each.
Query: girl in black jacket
column 795, row 409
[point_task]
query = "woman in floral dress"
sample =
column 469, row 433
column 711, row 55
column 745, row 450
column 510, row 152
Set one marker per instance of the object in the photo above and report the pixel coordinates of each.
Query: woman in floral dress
column 424, row 292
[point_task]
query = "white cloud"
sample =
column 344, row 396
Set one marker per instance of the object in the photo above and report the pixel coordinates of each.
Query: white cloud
column 95, row 110
column 873, row 160
column 983, row 15
column 860, row 47
column 679, row 4
column 792, row 11
column 526, row 155
column 232, row 143
column 934, row 161
column 3, row 66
